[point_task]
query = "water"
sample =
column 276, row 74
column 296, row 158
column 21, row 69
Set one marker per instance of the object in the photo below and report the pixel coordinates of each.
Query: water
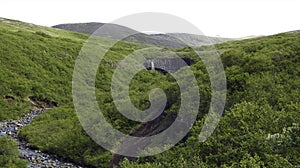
column 152, row 65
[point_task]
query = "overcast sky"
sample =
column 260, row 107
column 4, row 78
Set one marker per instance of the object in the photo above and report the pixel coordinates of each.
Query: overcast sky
column 234, row 18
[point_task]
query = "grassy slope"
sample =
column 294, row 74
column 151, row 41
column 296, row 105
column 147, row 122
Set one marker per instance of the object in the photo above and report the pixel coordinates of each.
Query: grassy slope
column 38, row 61
column 263, row 80
column 35, row 61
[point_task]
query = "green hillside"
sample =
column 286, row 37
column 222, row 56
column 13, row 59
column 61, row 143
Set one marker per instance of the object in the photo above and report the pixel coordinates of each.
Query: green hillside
column 35, row 61
column 259, row 128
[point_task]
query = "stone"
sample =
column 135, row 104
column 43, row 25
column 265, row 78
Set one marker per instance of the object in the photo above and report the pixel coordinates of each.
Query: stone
column 19, row 125
column 38, row 160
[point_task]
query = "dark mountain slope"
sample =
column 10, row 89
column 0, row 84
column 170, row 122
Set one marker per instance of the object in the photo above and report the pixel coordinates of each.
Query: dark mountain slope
column 117, row 32
column 172, row 40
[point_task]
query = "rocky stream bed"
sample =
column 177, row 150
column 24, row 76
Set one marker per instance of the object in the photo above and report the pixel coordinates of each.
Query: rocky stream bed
column 36, row 158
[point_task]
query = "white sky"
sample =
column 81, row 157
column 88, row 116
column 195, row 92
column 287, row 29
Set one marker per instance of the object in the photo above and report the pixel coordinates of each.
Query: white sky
column 225, row 18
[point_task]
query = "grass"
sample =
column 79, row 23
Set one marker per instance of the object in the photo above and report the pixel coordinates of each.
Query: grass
column 262, row 99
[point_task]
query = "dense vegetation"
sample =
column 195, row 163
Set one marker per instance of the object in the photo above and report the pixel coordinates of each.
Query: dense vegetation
column 9, row 154
column 259, row 128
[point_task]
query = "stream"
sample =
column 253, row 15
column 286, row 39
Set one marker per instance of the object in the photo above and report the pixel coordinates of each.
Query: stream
column 36, row 158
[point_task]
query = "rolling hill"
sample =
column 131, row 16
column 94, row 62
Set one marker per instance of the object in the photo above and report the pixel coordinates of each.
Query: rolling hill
column 260, row 126
column 172, row 40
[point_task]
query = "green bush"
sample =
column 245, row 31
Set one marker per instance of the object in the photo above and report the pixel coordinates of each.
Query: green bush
column 9, row 154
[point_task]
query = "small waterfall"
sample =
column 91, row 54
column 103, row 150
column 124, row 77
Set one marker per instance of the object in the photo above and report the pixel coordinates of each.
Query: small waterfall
column 152, row 65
